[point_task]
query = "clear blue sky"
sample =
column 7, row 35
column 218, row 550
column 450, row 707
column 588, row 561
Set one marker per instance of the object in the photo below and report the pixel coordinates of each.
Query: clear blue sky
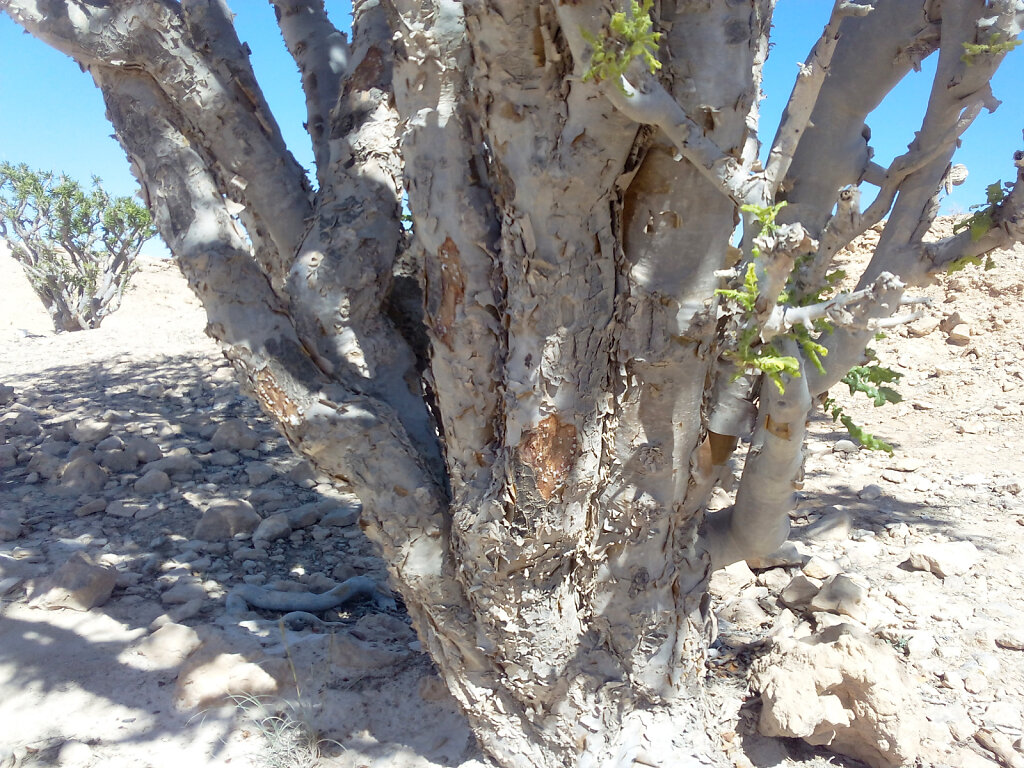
column 52, row 117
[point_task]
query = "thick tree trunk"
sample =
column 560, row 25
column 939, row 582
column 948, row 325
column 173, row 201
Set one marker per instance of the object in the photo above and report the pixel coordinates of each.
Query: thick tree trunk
column 538, row 482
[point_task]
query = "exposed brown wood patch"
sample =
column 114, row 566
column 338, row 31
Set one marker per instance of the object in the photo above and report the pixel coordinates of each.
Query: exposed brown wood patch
column 779, row 429
column 549, row 450
column 274, row 398
column 371, row 72
column 452, row 286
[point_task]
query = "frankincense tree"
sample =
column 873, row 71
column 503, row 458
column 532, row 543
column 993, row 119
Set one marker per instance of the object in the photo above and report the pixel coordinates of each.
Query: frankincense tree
column 536, row 451
column 77, row 246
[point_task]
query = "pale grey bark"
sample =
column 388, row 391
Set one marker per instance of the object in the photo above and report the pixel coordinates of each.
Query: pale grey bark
column 538, row 483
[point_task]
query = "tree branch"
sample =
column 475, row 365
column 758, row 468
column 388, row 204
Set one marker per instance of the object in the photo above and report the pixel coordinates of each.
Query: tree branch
column 805, row 94
column 321, row 52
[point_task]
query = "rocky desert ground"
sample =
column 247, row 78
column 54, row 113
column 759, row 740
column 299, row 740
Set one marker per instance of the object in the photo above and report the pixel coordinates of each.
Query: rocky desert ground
column 147, row 508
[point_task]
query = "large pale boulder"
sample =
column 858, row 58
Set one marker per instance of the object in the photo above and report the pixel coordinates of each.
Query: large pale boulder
column 80, row 584
column 844, row 692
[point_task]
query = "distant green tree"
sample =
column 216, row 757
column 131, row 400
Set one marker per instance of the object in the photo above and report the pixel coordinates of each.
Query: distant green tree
column 77, row 246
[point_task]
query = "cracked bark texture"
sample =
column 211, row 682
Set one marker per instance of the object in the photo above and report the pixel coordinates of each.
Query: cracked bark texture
column 536, row 472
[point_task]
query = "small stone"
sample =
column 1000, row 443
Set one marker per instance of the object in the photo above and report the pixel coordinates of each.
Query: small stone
column 154, row 481
column 259, row 472
column 179, row 462
column 303, row 475
column 921, row 645
column 184, row 590
column 223, row 458
column 949, row 558
column 845, row 446
column 165, row 648
column 79, row 584
column 154, row 390
column 212, row 677
column 1003, row 714
column 74, row 754
column 923, row 326
column 340, row 517
column 970, row 427
column 870, row 492
column 832, row 526
column 799, row 592
column 112, row 443
column 91, row 507
column 121, row 508
column 820, row 568
column 82, row 475
column 273, row 528
column 959, row 334
column 892, row 476
column 727, row 582
column 144, row 448
column 786, row 556
column 235, row 435
column 975, row 682
column 8, row 456
column 1011, row 640
column 117, row 461
column 841, row 594
column 10, row 529
column 46, row 465
column 90, row 430
column 6, row 394
column 226, row 519
column 22, row 423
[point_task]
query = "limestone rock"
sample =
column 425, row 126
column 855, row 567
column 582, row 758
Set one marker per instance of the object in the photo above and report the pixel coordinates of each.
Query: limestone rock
column 213, row 680
column 799, row 592
column 844, row 692
column 46, row 465
column 80, row 584
column 340, row 516
column 832, row 526
column 259, row 472
column 154, row 481
column 8, row 456
column 90, row 430
column 226, row 518
column 944, row 558
column 841, row 594
column 1011, row 640
column 184, row 590
column 165, row 648
column 727, row 582
column 118, row 460
column 235, row 435
column 24, row 423
column 272, row 528
column 82, row 476
column 178, row 462
column 788, row 555
column 145, row 449
column 10, row 528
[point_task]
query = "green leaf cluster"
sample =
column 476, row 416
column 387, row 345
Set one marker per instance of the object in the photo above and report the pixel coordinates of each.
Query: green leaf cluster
column 765, row 214
column 628, row 36
column 993, row 47
column 869, row 380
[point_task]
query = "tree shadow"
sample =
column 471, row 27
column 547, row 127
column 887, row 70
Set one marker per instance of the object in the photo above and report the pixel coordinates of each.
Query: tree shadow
column 86, row 657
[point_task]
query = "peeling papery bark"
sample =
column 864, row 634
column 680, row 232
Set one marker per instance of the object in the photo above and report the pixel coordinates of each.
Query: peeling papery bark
column 535, row 446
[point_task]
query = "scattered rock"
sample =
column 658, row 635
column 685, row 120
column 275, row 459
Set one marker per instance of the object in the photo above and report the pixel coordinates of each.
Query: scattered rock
column 45, row 465
column 870, row 492
column 727, row 582
column 351, row 652
column 10, row 528
column 847, row 693
column 143, row 448
column 8, row 456
column 845, row 446
column 225, row 519
column 788, row 555
column 820, row 568
column 183, row 591
column 340, row 517
column 799, row 592
column 90, row 430
column 1011, row 640
column 959, row 334
column 832, row 526
column 80, row 584
column 235, row 435
column 91, row 507
column 121, row 508
column 272, row 528
column 946, row 558
column 154, row 481
column 841, row 594
column 165, row 648
column 258, row 472
column 208, row 681
column 117, row 460
column 82, row 476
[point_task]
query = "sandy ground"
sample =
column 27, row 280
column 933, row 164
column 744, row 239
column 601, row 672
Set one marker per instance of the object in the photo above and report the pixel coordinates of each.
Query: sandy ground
column 94, row 688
